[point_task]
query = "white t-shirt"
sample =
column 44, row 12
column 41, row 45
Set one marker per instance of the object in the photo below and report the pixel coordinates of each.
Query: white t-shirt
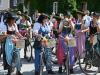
column 36, row 27
column 14, row 27
column 19, row 21
column 86, row 17
column 87, row 23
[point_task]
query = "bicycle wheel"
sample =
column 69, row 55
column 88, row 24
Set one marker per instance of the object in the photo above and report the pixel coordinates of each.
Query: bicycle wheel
column 28, row 50
column 14, row 65
column 67, row 64
column 91, row 60
column 41, row 65
column 33, row 56
column 77, row 56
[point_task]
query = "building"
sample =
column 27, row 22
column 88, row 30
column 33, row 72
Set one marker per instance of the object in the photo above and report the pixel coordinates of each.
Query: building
column 5, row 4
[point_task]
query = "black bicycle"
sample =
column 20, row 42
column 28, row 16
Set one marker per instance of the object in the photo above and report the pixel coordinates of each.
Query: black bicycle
column 28, row 47
column 91, row 59
column 50, row 44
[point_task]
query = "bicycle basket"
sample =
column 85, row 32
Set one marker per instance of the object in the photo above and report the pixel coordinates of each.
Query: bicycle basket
column 94, row 40
column 51, row 42
column 20, row 44
column 2, row 38
column 72, row 42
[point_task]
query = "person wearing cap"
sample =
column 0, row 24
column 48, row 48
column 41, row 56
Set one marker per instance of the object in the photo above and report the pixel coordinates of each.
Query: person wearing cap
column 93, row 27
column 24, row 24
column 65, row 29
column 80, row 31
column 40, row 30
column 87, row 17
column 10, row 32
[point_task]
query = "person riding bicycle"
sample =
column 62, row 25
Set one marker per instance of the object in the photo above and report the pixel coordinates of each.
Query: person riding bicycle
column 24, row 25
column 65, row 30
column 10, row 30
column 40, row 30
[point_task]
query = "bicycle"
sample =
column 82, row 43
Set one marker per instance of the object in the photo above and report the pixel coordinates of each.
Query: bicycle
column 28, row 46
column 50, row 44
column 14, row 64
column 92, row 58
column 66, row 62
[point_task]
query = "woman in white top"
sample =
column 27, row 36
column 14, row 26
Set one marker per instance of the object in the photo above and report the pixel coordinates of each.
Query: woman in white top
column 10, row 30
column 40, row 30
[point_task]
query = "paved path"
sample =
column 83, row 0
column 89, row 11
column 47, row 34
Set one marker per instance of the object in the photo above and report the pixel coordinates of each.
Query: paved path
column 28, row 68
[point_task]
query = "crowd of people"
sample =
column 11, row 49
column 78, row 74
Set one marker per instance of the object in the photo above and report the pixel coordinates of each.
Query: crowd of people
column 45, row 25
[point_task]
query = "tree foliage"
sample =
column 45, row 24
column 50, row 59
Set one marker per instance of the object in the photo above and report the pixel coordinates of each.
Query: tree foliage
column 93, row 5
column 46, row 6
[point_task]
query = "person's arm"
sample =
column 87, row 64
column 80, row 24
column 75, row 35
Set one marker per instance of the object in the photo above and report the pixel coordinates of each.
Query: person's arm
column 29, row 25
column 98, row 27
column 17, row 32
column 36, row 28
column 85, row 26
column 72, row 25
column 60, row 27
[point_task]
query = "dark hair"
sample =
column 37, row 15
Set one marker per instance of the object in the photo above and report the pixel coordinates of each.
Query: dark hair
column 41, row 18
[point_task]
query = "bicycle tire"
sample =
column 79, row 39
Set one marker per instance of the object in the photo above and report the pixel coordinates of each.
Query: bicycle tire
column 28, row 51
column 33, row 56
column 77, row 56
column 88, row 61
column 41, row 64
column 67, row 64
column 14, row 65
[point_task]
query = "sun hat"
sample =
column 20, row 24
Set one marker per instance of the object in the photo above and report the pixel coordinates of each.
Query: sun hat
column 57, row 16
column 80, row 12
column 12, row 16
column 19, row 13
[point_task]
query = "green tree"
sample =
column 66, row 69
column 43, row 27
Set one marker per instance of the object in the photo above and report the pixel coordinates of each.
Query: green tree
column 93, row 5
column 46, row 6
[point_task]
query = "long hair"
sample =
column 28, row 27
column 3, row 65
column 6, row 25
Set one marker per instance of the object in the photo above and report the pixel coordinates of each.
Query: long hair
column 41, row 18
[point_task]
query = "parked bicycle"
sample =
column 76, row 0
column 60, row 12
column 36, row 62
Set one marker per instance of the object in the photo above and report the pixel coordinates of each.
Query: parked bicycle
column 91, row 57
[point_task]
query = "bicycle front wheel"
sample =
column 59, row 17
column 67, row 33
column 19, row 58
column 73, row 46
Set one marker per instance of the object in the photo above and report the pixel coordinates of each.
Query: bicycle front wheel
column 67, row 64
column 91, row 62
column 28, row 51
column 41, row 65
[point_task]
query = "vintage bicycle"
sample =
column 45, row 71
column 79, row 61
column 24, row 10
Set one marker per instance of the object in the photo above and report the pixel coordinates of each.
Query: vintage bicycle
column 51, row 43
column 91, row 56
column 18, row 43
column 71, row 42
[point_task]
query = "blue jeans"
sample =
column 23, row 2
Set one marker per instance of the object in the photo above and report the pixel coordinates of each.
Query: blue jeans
column 37, row 59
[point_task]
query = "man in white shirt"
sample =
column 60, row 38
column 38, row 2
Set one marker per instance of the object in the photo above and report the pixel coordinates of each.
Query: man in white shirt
column 87, row 17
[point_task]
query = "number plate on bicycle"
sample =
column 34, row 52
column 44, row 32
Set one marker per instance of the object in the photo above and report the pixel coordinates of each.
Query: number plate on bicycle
column 51, row 42
column 94, row 40
column 21, row 44
column 72, row 42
